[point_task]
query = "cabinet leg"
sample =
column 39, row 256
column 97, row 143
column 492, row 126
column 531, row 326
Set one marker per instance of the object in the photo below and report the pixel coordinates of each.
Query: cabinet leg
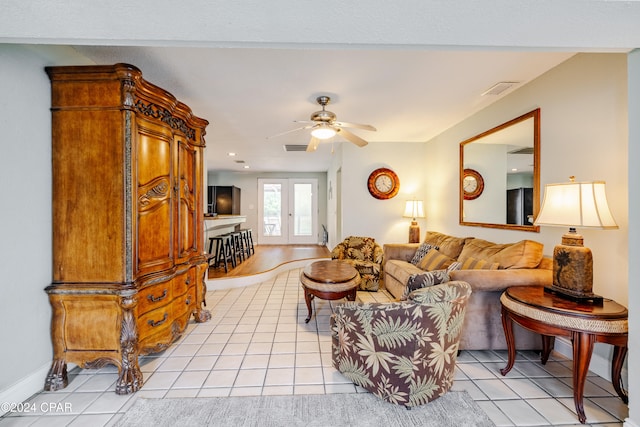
column 129, row 379
column 201, row 315
column 57, row 376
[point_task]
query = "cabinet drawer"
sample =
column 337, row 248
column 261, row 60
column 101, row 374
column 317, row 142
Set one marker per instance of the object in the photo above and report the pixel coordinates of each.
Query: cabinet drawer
column 185, row 303
column 154, row 321
column 154, row 296
column 183, row 282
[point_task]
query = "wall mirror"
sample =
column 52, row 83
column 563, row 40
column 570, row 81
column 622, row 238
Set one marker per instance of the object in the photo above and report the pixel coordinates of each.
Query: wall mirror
column 500, row 175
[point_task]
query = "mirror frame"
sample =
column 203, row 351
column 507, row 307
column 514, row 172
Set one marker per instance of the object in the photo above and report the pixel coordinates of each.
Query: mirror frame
column 535, row 114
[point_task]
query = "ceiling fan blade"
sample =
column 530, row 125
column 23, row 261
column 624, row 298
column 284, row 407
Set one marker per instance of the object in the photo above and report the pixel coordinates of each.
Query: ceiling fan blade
column 289, row 131
column 351, row 137
column 354, row 125
column 313, row 144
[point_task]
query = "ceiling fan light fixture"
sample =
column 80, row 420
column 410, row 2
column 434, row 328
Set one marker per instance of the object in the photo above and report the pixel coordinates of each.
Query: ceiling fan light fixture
column 323, row 131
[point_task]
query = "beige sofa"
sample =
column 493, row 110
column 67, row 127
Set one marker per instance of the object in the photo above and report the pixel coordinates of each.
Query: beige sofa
column 518, row 264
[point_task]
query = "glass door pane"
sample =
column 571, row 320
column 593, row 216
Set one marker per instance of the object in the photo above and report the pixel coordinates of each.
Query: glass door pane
column 303, row 217
column 302, row 214
column 272, row 211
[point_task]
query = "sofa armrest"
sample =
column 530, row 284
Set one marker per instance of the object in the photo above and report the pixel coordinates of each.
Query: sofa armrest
column 401, row 251
column 499, row 280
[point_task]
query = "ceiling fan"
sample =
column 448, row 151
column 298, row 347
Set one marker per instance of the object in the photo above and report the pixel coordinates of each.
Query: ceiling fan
column 323, row 125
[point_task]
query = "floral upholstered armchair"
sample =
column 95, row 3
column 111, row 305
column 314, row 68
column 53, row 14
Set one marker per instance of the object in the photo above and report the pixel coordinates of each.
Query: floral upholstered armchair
column 365, row 255
column 403, row 352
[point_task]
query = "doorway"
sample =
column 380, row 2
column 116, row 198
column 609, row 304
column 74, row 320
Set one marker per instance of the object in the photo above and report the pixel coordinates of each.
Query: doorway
column 288, row 211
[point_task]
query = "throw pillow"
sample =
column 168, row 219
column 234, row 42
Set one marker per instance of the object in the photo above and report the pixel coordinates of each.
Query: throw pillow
column 455, row 266
column 420, row 253
column 479, row 264
column 435, row 260
column 419, row 281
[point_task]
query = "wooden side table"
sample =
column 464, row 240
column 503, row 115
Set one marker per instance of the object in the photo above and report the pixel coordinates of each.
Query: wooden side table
column 330, row 280
column 585, row 324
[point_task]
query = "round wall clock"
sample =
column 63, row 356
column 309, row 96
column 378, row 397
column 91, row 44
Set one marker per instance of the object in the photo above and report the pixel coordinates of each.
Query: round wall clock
column 472, row 184
column 383, row 183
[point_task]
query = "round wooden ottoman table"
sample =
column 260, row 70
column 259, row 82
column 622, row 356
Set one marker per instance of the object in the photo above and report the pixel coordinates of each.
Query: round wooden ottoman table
column 329, row 280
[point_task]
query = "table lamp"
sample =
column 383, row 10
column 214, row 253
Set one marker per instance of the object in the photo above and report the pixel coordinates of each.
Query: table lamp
column 575, row 204
column 413, row 209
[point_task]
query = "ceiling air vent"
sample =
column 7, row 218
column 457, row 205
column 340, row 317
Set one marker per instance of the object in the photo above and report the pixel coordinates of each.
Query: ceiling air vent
column 498, row 88
column 294, row 147
column 239, row 161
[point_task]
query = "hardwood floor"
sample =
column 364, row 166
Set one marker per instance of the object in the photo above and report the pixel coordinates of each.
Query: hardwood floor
column 268, row 257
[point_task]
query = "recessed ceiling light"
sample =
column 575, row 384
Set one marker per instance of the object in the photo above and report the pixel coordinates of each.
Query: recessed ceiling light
column 231, row 154
column 246, row 166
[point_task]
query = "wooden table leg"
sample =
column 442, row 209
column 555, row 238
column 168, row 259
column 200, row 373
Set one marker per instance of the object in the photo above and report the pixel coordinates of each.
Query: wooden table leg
column 507, row 325
column 619, row 353
column 307, row 298
column 582, row 349
column 547, row 345
column 352, row 295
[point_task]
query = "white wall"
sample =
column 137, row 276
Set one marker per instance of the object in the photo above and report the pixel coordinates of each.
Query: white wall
column 633, row 68
column 25, row 224
column 583, row 106
column 363, row 215
column 584, row 132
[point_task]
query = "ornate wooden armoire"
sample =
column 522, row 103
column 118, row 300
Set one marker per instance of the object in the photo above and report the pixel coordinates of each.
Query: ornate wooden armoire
column 128, row 251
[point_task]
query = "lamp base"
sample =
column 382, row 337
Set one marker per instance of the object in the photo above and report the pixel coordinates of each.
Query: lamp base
column 586, row 298
column 414, row 232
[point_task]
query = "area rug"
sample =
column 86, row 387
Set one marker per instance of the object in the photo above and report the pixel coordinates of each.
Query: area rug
column 358, row 409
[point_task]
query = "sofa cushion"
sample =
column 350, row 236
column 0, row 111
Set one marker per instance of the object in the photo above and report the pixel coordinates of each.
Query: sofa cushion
column 435, row 260
column 448, row 245
column 478, row 264
column 422, row 280
column 400, row 270
column 523, row 254
column 420, row 253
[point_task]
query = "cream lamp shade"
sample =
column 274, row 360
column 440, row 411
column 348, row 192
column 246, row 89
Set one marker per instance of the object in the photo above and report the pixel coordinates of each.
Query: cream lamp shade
column 575, row 204
column 413, row 209
column 323, row 131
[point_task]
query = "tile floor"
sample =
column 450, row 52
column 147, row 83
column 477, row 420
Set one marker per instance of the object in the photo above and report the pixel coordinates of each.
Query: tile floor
column 257, row 343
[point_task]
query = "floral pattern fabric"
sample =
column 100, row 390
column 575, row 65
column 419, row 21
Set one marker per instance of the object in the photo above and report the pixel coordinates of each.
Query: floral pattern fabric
column 365, row 255
column 403, row 352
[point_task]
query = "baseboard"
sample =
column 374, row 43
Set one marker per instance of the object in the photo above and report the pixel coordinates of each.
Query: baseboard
column 24, row 389
column 599, row 365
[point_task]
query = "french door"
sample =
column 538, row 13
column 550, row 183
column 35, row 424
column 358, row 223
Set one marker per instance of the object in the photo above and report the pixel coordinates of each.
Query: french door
column 288, row 211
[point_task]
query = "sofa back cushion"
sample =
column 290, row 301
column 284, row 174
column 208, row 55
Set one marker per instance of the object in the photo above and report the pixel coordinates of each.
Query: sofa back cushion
column 434, row 260
column 478, row 264
column 447, row 245
column 523, row 254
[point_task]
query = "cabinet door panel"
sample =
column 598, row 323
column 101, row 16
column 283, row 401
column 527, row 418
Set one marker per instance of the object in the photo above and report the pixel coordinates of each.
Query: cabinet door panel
column 155, row 197
column 187, row 212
